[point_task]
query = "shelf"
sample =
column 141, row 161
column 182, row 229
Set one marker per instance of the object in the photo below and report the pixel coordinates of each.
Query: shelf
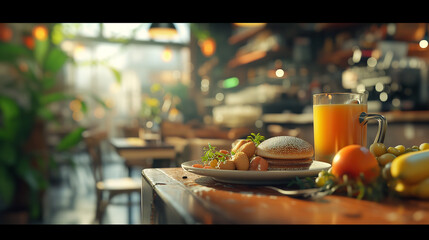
column 338, row 57
column 414, row 50
column 334, row 26
column 245, row 35
column 255, row 56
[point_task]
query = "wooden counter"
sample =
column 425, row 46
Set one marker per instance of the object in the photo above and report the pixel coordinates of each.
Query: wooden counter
column 175, row 196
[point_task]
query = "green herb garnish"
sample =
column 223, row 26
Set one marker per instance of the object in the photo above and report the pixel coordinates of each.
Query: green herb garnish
column 211, row 153
column 256, row 138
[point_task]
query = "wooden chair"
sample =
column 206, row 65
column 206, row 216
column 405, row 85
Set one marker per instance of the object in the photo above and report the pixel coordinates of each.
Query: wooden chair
column 106, row 186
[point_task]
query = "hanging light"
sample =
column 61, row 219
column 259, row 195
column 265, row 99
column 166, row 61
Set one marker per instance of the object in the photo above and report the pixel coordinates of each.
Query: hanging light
column 162, row 30
column 252, row 24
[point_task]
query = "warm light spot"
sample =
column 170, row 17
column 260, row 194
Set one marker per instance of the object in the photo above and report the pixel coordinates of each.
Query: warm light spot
column 371, row 62
column 249, row 24
column 162, row 33
column 167, row 54
column 40, row 33
column 114, row 87
column 78, row 49
column 77, row 116
column 99, row 112
column 423, row 43
column 149, row 124
column 28, row 41
column 205, row 85
column 23, row 66
column 280, row 72
column 383, row 96
column 75, row 105
column 109, row 103
column 219, row 96
column 5, row 33
column 208, row 47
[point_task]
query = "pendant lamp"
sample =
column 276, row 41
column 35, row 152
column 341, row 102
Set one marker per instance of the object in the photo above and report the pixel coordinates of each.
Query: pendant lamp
column 162, row 30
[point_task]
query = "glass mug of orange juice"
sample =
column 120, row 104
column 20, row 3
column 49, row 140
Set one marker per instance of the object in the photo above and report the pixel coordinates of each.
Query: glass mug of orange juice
column 339, row 119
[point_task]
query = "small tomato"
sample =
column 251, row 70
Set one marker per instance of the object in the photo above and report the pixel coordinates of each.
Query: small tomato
column 354, row 160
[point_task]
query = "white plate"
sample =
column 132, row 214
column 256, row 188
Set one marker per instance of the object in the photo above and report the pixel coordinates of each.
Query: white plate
column 255, row 177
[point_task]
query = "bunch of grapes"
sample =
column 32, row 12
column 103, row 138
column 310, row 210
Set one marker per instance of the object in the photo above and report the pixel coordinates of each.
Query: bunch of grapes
column 386, row 155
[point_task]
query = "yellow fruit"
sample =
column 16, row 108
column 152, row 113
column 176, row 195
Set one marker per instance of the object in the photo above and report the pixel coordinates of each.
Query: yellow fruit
column 424, row 146
column 419, row 190
column 394, row 151
column 411, row 167
column 377, row 149
column 320, row 181
column 400, row 148
column 386, row 158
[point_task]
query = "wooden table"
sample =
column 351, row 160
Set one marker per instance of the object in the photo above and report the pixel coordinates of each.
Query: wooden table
column 136, row 151
column 175, row 196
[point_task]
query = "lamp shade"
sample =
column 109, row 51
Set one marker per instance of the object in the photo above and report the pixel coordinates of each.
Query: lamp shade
column 162, row 30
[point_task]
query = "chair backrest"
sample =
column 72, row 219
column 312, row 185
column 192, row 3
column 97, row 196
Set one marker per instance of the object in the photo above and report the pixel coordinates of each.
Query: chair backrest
column 93, row 140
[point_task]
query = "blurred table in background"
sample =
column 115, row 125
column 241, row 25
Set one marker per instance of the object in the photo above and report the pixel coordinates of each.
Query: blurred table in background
column 136, row 151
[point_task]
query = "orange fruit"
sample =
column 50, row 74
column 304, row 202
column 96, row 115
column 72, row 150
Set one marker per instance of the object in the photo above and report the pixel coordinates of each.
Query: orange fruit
column 355, row 160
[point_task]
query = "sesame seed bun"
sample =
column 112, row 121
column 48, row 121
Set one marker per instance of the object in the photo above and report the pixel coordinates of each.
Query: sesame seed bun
column 285, row 147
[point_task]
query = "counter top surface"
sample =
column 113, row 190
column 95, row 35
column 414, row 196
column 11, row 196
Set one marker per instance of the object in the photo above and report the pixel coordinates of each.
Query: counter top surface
column 200, row 199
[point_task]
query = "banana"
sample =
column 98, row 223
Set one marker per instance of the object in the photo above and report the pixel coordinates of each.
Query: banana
column 411, row 168
column 419, row 190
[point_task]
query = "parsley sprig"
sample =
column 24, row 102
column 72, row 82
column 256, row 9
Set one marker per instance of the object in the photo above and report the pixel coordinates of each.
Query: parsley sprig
column 211, row 153
column 256, row 138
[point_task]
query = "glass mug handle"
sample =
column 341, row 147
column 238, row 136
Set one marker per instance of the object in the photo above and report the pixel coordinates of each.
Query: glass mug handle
column 382, row 124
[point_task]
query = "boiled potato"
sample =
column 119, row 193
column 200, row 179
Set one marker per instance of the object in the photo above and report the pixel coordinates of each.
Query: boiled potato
column 241, row 161
column 227, row 165
column 248, row 148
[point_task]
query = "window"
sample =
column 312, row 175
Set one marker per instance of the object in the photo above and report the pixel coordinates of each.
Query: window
column 119, row 61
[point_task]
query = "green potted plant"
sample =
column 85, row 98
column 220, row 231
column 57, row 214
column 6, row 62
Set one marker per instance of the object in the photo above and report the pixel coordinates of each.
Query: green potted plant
column 31, row 84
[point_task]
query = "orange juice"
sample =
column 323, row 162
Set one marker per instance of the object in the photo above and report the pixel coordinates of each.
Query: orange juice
column 336, row 126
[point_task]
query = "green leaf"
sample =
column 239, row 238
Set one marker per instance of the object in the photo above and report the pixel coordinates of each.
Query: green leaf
column 10, row 52
column 48, row 82
column 83, row 107
column 9, row 119
column 256, row 138
column 99, row 100
column 71, row 139
column 45, row 113
column 25, row 172
column 7, row 154
column 55, row 97
column 40, row 50
column 55, row 60
column 116, row 73
column 7, row 187
column 57, row 35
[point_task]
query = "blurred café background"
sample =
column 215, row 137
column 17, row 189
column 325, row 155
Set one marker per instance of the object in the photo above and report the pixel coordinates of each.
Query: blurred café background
column 189, row 84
